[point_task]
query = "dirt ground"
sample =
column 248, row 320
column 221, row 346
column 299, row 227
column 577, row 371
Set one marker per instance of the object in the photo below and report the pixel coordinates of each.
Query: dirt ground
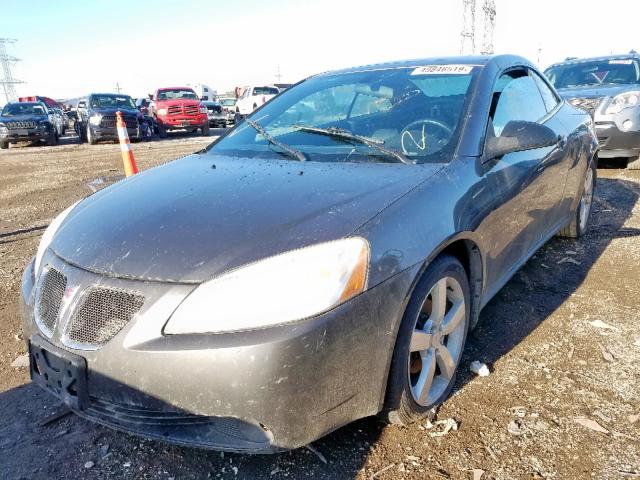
column 561, row 339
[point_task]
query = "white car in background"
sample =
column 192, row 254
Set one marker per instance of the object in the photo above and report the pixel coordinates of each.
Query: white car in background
column 254, row 97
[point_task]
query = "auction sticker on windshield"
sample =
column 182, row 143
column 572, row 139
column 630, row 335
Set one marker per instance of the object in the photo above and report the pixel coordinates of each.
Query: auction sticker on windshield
column 443, row 69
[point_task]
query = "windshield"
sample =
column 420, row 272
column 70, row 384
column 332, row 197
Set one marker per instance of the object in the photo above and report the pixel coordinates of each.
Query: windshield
column 176, row 93
column 228, row 102
column 587, row 74
column 111, row 101
column 14, row 109
column 265, row 91
column 414, row 112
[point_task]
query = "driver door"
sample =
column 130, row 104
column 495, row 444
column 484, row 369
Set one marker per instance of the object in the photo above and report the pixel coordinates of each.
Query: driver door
column 525, row 185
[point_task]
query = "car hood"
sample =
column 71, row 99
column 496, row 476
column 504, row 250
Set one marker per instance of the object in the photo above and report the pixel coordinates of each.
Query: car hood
column 596, row 91
column 194, row 218
column 112, row 110
column 177, row 101
column 24, row 118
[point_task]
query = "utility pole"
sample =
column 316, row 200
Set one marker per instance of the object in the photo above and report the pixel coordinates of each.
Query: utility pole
column 118, row 89
column 489, row 9
column 468, row 41
column 8, row 81
column 278, row 75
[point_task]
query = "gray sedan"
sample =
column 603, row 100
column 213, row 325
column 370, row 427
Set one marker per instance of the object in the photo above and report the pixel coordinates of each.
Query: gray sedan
column 321, row 262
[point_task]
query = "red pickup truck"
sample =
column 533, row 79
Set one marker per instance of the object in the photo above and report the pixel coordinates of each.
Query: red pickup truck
column 179, row 108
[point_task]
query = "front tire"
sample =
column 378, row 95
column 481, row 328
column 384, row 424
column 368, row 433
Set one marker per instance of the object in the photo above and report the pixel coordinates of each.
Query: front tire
column 633, row 164
column 52, row 138
column 91, row 139
column 4, row 145
column 580, row 221
column 205, row 130
column 430, row 342
column 162, row 131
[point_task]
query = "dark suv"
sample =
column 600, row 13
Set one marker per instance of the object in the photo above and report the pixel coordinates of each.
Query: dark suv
column 27, row 121
column 609, row 89
column 97, row 121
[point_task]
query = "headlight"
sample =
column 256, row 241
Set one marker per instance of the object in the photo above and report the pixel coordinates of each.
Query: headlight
column 95, row 119
column 44, row 126
column 203, row 109
column 162, row 111
column 48, row 235
column 288, row 287
column 622, row 101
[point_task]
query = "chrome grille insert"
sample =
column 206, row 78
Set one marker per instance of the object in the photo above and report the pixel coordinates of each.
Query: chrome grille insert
column 16, row 125
column 49, row 297
column 100, row 314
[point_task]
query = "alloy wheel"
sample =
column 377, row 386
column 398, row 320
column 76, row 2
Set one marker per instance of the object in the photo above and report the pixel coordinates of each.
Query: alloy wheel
column 437, row 341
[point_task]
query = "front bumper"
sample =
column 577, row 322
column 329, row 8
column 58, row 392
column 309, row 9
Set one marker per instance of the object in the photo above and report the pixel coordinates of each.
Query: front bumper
column 220, row 119
column 111, row 133
column 618, row 134
column 182, row 121
column 26, row 135
column 256, row 391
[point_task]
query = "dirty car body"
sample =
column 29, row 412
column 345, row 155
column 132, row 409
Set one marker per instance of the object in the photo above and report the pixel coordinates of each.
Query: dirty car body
column 208, row 314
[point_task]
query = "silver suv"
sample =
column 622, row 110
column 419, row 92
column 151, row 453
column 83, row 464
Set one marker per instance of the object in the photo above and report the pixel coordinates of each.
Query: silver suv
column 609, row 89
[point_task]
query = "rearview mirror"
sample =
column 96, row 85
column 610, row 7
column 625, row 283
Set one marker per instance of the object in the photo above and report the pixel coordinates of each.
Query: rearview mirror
column 518, row 136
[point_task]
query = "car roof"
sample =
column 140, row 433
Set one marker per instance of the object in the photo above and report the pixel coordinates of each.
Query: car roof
column 25, row 103
column 109, row 93
column 603, row 58
column 175, row 88
column 481, row 60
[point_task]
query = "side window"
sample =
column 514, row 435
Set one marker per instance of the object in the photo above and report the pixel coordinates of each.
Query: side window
column 548, row 96
column 515, row 97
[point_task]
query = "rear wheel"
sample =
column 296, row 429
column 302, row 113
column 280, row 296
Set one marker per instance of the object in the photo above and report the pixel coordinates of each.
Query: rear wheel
column 579, row 223
column 429, row 343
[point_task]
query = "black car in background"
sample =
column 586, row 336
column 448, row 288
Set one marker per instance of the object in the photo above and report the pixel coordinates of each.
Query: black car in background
column 27, row 121
column 97, row 120
column 609, row 89
column 217, row 117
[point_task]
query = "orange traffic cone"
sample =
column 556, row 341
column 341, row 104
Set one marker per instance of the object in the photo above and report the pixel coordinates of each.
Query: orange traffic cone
column 129, row 160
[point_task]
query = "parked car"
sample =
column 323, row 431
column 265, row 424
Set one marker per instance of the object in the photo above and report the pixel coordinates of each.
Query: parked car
column 148, row 120
column 609, row 89
column 97, row 117
column 27, row 121
column 253, row 97
column 217, row 117
column 60, row 120
column 313, row 266
column 229, row 108
column 178, row 108
column 70, row 119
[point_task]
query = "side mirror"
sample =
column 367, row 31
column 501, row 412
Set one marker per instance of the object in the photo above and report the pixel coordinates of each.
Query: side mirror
column 518, row 136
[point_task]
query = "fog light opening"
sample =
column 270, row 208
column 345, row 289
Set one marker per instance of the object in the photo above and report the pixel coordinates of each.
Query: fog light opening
column 627, row 124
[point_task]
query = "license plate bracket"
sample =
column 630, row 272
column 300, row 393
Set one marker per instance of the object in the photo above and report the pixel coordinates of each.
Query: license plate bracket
column 59, row 372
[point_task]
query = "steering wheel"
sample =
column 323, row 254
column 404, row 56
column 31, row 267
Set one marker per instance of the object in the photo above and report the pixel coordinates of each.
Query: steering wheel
column 408, row 140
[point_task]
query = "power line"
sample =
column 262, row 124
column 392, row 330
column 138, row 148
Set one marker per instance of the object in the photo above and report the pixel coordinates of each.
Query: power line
column 7, row 61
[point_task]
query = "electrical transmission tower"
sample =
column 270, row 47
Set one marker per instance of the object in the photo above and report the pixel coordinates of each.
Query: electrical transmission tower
column 489, row 9
column 468, row 44
column 8, row 81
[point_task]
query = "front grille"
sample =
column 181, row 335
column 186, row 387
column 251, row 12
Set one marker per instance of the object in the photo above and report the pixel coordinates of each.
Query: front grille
column 191, row 109
column 50, row 293
column 109, row 121
column 588, row 104
column 174, row 110
column 100, row 315
column 16, row 125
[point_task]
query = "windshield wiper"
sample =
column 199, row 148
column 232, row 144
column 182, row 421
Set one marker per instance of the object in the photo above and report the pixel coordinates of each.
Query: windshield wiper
column 336, row 132
column 271, row 139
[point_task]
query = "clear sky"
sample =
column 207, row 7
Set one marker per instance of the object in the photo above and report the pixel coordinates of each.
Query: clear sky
column 70, row 48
